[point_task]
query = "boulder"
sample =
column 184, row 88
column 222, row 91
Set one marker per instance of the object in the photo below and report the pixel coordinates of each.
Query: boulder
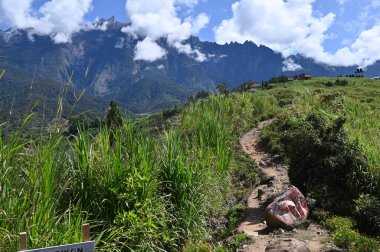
column 287, row 245
column 289, row 210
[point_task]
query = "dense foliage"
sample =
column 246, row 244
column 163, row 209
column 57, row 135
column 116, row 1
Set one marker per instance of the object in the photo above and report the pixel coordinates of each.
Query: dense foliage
column 139, row 191
column 330, row 139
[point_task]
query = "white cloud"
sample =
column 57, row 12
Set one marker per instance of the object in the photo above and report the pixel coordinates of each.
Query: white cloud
column 187, row 3
column 290, row 65
column 290, row 27
column 283, row 26
column 159, row 19
column 148, row 50
column 342, row 2
column 363, row 52
column 57, row 18
column 161, row 67
column 120, row 43
column 375, row 3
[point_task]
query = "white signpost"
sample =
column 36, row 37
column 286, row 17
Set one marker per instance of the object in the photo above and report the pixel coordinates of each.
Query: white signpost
column 79, row 247
column 86, row 246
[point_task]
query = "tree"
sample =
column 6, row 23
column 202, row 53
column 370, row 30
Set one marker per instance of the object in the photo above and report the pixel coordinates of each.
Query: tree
column 222, row 88
column 114, row 118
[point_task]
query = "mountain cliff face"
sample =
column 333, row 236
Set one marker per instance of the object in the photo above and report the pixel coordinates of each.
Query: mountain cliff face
column 102, row 62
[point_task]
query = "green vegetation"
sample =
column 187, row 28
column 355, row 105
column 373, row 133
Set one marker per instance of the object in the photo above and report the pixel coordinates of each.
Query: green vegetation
column 330, row 138
column 347, row 238
column 139, row 191
column 162, row 182
column 47, row 99
column 222, row 88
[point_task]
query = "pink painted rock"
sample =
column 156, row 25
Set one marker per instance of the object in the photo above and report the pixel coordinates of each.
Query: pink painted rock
column 288, row 210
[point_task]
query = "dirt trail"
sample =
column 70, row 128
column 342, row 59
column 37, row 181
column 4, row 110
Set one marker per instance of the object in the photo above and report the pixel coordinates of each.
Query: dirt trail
column 276, row 180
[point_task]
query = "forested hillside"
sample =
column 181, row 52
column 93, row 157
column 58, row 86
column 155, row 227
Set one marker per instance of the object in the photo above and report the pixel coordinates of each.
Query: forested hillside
column 24, row 94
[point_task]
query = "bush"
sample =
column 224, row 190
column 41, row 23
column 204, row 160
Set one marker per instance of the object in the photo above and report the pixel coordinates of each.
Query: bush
column 336, row 223
column 341, row 83
column 279, row 79
column 320, row 215
column 233, row 216
column 234, row 243
column 321, row 159
column 367, row 214
column 198, row 247
column 329, row 84
column 344, row 236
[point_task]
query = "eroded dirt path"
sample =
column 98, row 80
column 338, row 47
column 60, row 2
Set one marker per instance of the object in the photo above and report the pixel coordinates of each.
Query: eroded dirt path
column 275, row 180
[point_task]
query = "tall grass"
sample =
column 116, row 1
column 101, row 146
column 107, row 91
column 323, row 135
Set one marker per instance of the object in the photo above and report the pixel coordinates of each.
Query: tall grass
column 139, row 192
column 363, row 129
column 30, row 186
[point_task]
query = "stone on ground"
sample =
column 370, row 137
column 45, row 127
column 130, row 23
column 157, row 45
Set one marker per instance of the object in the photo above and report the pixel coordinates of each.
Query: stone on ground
column 287, row 245
column 289, row 210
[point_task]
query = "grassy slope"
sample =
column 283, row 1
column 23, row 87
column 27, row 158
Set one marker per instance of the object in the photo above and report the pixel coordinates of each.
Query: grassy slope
column 157, row 190
column 361, row 100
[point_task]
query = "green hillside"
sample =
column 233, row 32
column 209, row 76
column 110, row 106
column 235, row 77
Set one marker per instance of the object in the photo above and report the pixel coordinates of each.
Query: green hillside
column 167, row 181
column 22, row 94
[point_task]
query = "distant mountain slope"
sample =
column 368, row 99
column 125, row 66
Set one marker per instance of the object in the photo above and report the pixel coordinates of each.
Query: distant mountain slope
column 102, row 63
column 21, row 95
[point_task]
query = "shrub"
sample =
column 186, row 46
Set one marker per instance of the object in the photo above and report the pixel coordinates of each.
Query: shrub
column 341, row 83
column 198, row 247
column 336, row 223
column 233, row 216
column 279, row 79
column 235, row 242
column 367, row 214
column 329, row 84
column 223, row 89
column 345, row 237
column 320, row 215
column 114, row 118
column 321, row 159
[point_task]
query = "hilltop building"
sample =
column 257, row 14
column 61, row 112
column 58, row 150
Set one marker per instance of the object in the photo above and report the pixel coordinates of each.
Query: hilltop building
column 303, row 76
column 249, row 86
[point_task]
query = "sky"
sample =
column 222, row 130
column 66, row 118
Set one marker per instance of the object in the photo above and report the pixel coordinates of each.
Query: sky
column 335, row 32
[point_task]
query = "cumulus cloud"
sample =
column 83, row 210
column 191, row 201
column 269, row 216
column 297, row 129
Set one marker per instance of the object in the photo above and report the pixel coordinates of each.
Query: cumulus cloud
column 159, row 19
column 290, row 27
column 363, row 52
column 290, row 65
column 188, row 3
column 280, row 25
column 57, row 18
column 148, row 50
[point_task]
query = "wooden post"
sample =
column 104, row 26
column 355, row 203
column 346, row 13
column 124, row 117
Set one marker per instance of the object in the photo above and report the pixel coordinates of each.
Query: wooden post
column 86, row 232
column 23, row 245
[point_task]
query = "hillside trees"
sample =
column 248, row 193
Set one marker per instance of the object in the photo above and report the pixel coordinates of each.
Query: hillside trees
column 113, row 118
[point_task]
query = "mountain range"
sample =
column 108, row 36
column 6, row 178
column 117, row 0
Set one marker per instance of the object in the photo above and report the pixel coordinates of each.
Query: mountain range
column 100, row 62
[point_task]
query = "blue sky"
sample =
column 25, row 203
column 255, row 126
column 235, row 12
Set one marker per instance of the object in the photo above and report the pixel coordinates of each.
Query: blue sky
column 338, row 32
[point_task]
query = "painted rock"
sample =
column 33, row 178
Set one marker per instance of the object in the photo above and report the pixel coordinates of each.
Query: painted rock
column 289, row 210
